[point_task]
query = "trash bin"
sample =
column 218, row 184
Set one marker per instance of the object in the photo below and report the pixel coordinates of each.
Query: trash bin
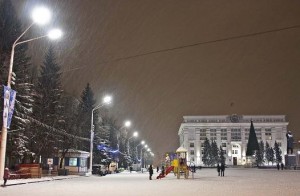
column 63, row 172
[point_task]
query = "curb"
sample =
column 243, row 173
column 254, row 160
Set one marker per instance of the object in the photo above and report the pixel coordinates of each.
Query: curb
column 46, row 180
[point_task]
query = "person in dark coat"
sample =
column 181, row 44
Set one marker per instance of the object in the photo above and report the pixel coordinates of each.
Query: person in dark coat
column 222, row 169
column 6, row 175
column 282, row 166
column 278, row 167
column 218, row 169
column 157, row 169
column 150, row 172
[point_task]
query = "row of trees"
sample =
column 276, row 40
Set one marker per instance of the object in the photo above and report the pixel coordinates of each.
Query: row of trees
column 47, row 120
column 268, row 154
column 212, row 154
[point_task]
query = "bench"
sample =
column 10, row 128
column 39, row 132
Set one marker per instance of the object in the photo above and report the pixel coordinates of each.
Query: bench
column 21, row 173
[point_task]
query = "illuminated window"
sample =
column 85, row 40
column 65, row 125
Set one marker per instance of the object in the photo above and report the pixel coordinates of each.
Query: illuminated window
column 73, row 162
column 235, row 134
column 268, row 134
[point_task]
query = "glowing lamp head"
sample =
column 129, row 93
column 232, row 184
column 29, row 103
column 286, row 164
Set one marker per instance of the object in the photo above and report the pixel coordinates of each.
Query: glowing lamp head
column 55, row 34
column 107, row 100
column 41, row 15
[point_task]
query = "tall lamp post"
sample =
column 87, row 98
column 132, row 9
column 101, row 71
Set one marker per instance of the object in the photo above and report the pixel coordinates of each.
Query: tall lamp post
column 40, row 16
column 106, row 100
column 135, row 134
column 136, row 148
column 145, row 146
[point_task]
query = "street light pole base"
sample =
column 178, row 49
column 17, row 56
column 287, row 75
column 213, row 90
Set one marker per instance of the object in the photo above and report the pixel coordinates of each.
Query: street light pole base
column 88, row 174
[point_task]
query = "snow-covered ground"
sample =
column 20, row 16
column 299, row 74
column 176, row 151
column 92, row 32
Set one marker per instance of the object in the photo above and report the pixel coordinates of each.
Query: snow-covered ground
column 205, row 182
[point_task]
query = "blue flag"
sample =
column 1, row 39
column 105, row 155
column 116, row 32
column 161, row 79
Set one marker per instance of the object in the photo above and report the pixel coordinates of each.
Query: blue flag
column 9, row 105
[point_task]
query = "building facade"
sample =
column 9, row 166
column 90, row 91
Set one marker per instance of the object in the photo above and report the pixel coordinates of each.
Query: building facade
column 231, row 132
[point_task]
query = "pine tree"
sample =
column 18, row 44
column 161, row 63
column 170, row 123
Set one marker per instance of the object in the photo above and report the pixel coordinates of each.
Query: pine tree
column 206, row 153
column 269, row 153
column 278, row 153
column 252, row 145
column 69, row 117
column 222, row 157
column 259, row 155
column 214, row 153
column 10, row 30
column 85, row 108
column 47, row 107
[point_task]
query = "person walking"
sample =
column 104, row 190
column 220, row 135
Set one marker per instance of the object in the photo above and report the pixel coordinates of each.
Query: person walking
column 222, row 169
column 150, row 172
column 157, row 169
column 278, row 167
column 218, row 169
column 6, row 175
column 282, row 166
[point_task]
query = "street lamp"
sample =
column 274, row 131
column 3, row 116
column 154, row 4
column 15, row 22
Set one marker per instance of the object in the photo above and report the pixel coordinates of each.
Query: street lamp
column 106, row 100
column 135, row 134
column 136, row 148
column 40, row 16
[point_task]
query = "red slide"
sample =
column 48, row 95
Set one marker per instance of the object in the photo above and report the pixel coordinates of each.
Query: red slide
column 161, row 175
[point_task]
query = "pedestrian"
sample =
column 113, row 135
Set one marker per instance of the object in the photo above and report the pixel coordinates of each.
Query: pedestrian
column 218, row 169
column 6, row 175
column 222, row 169
column 278, row 167
column 282, row 166
column 163, row 170
column 157, row 169
column 150, row 172
column 130, row 168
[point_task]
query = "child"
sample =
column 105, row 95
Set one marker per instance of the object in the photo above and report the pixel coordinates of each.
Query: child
column 6, row 175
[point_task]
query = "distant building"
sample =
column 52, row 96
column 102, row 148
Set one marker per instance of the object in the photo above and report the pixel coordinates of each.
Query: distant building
column 231, row 132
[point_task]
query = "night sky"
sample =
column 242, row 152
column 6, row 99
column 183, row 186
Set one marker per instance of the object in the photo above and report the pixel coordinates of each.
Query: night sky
column 163, row 59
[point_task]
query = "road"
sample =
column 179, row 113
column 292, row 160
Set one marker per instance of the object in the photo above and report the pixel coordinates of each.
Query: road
column 205, row 182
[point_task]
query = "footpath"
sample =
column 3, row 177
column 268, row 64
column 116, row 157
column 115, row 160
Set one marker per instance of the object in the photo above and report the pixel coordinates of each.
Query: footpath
column 36, row 180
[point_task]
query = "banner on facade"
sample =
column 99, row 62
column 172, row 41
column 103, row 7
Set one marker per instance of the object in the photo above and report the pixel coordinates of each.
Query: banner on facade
column 9, row 105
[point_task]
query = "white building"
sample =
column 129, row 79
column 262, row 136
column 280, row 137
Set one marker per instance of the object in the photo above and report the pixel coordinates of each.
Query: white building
column 231, row 132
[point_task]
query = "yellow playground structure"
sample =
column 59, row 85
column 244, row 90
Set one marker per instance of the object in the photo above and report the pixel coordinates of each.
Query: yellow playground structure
column 178, row 165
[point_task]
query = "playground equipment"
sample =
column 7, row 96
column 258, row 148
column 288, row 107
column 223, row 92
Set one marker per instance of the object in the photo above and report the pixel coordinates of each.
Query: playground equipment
column 180, row 164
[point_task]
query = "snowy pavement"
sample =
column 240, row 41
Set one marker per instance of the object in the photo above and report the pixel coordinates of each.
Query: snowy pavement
column 206, row 182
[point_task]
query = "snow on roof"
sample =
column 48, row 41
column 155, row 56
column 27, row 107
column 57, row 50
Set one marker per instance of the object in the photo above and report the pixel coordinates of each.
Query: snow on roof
column 181, row 149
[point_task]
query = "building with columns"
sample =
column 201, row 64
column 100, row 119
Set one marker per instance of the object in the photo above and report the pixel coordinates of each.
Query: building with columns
column 231, row 132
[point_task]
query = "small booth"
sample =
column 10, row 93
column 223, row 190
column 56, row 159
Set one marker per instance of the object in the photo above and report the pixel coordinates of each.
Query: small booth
column 75, row 162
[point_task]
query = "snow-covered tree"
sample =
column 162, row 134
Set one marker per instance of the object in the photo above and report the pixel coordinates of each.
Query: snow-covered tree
column 47, row 106
column 214, row 153
column 259, row 154
column 206, row 153
column 269, row 153
column 278, row 152
column 222, row 157
column 86, row 105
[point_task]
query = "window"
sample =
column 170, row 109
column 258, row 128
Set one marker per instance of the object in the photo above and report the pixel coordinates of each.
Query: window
column 202, row 134
column 223, row 144
column 73, row 162
column 223, row 134
column 235, row 151
column 268, row 134
column 192, row 152
column 213, row 134
column 192, row 159
column 192, row 145
column 258, row 133
column 247, row 134
column 235, row 134
column 83, row 162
